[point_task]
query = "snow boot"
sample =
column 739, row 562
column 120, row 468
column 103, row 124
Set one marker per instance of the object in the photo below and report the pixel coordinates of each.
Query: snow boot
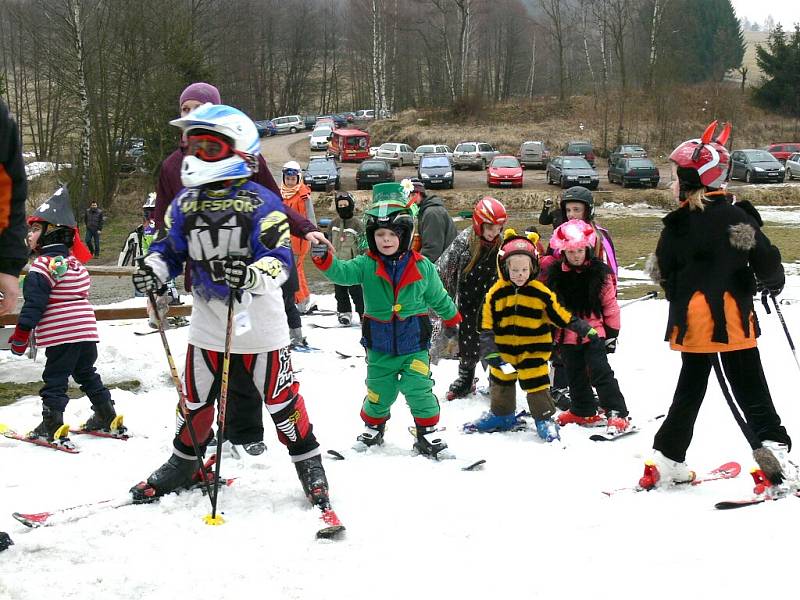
column 296, row 338
column 175, row 474
column 567, row 417
column 345, row 319
column 464, row 383
column 547, row 429
column 616, row 424
column 490, row 423
column 662, row 471
column 5, row 541
column 255, row 448
column 312, row 477
column 429, row 443
column 104, row 414
column 561, row 398
column 371, row 436
column 52, row 421
column 790, row 478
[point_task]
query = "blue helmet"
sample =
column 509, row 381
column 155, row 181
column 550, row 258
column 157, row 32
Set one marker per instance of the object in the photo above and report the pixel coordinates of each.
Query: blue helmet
column 234, row 126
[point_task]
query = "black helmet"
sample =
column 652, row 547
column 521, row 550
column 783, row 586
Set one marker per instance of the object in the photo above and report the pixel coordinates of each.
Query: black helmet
column 346, row 212
column 578, row 194
column 387, row 216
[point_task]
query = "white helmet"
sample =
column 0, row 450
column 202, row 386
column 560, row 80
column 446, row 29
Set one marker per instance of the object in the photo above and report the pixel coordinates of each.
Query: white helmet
column 291, row 168
column 225, row 121
column 151, row 201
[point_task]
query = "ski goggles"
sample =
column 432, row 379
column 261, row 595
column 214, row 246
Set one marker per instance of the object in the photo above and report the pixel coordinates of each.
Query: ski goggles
column 211, row 148
column 291, row 172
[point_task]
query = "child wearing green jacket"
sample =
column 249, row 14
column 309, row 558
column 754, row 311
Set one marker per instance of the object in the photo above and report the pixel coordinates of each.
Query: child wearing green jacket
column 400, row 286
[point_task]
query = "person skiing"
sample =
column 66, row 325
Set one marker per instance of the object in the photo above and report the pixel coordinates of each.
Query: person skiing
column 710, row 260
column 346, row 234
column 400, row 285
column 516, row 338
column 436, row 229
column 588, row 289
column 468, row 268
column 57, row 308
column 236, row 234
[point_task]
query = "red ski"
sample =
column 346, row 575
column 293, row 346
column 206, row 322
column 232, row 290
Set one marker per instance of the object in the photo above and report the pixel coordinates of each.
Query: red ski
column 60, row 442
column 726, row 471
column 116, row 430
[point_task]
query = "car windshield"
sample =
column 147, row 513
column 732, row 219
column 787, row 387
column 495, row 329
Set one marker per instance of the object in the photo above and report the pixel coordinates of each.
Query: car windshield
column 576, row 163
column 760, row 156
column 580, row 148
column 356, row 142
column 632, row 149
column 465, row 148
column 435, row 161
column 390, row 147
column 373, row 165
column 319, row 166
column 505, row 162
column 640, row 163
column 424, row 149
column 532, row 146
column 322, row 132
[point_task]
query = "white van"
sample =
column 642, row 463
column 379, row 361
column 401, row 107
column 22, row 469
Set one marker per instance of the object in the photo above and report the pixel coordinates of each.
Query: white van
column 289, row 124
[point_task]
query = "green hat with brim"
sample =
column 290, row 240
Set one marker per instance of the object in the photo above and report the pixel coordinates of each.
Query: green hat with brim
column 387, row 198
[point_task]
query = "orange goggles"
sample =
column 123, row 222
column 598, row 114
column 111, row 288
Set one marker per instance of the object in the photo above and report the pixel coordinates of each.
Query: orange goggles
column 210, row 147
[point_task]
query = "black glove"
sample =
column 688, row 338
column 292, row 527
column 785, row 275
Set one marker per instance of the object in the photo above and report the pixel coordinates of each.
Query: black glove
column 582, row 328
column 239, row 275
column 319, row 251
column 450, row 332
column 548, row 202
column 494, row 359
column 611, row 345
column 145, row 280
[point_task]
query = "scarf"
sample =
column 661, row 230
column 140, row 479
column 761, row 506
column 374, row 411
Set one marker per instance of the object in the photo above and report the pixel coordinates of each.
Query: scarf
column 287, row 191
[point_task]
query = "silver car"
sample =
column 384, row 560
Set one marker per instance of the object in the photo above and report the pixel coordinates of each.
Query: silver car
column 289, row 124
column 396, row 155
column 432, row 149
column 473, row 155
column 793, row 166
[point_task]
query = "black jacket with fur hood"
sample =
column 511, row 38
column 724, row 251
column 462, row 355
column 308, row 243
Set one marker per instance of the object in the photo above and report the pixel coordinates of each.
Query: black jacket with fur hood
column 713, row 251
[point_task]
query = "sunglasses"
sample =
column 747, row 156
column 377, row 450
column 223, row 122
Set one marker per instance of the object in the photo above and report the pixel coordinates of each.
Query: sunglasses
column 211, row 148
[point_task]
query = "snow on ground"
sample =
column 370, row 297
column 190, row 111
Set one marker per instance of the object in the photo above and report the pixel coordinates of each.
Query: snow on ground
column 532, row 524
column 36, row 168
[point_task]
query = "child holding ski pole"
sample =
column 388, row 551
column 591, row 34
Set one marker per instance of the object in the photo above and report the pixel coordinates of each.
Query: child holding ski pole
column 400, row 285
column 236, row 234
column 516, row 338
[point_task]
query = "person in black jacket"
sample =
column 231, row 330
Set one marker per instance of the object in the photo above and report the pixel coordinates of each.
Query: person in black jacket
column 13, row 193
column 435, row 226
column 93, row 219
column 551, row 216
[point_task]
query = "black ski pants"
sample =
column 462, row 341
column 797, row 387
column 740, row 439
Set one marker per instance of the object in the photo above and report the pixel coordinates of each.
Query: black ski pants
column 743, row 370
column 77, row 360
column 343, row 294
column 586, row 366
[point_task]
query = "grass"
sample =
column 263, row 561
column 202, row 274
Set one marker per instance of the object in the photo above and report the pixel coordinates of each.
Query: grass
column 11, row 392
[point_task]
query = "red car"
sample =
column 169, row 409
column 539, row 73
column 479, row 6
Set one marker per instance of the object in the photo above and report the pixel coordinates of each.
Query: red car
column 783, row 150
column 504, row 170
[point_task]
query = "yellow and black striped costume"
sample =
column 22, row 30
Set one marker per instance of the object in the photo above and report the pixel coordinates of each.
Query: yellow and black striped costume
column 518, row 322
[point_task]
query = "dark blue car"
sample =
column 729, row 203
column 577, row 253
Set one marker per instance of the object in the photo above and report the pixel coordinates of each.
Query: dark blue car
column 266, row 128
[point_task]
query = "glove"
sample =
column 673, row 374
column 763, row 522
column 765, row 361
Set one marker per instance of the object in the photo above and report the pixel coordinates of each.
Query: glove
column 450, row 332
column 19, row 340
column 239, row 275
column 495, row 360
column 319, row 251
column 582, row 328
column 145, row 280
column 548, row 202
column 611, row 345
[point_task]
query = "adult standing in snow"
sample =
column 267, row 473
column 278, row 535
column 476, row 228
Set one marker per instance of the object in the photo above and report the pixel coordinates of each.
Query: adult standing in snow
column 711, row 258
column 13, row 193
column 435, row 226
column 93, row 220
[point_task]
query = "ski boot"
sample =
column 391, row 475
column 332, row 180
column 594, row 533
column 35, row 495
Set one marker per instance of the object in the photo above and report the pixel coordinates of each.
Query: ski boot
column 255, row 448
column 616, row 424
column 430, row 444
column 175, row 474
column 788, row 480
column 306, row 307
column 464, row 383
column 104, row 415
column 345, row 318
column 561, row 398
column 662, row 471
column 51, row 425
column 312, row 477
column 371, row 436
column 490, row 423
column 567, row 417
column 547, row 429
column 296, row 338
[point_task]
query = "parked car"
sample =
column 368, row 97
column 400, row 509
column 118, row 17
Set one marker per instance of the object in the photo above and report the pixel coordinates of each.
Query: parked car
column 338, row 120
column 432, row 149
column 793, row 166
column 756, row 165
column 289, row 124
column 627, row 151
column 533, row 154
column 349, row 144
column 319, row 138
column 473, row 155
column 132, row 157
column 633, row 171
column 396, row 154
column 567, row 171
column 580, row 148
column 783, row 150
column 322, row 173
column 436, row 170
column 365, row 114
column 266, row 128
column 371, row 172
column 504, row 170
column 310, row 121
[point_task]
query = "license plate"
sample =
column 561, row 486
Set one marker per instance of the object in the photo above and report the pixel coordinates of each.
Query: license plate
column 436, row 181
column 372, row 176
column 644, row 179
column 583, row 179
column 506, row 182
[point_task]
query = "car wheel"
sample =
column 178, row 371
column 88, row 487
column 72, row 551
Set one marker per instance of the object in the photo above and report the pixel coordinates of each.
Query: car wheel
column 781, row 180
column 452, row 183
column 624, row 183
column 483, row 165
column 293, row 130
column 748, row 177
column 789, row 175
column 337, row 185
column 563, row 183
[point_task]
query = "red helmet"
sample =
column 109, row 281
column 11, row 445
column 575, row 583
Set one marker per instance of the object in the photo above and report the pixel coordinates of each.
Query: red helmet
column 488, row 210
column 704, row 162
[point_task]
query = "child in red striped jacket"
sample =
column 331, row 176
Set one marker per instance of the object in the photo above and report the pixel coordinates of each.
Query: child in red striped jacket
column 56, row 293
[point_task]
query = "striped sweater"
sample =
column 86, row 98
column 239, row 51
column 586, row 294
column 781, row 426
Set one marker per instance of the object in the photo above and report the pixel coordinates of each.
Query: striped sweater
column 58, row 306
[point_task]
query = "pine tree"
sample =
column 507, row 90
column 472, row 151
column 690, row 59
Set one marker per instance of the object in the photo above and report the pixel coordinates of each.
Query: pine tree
column 780, row 62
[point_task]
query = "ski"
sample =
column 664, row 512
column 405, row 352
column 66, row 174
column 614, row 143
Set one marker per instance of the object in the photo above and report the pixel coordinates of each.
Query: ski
column 318, row 312
column 305, row 349
column 333, row 526
column 61, row 442
column 344, row 355
column 116, row 430
column 465, row 466
column 610, row 437
column 726, row 471
column 339, row 326
column 731, row 504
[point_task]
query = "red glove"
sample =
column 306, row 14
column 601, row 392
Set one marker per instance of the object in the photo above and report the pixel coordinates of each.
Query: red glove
column 19, row 340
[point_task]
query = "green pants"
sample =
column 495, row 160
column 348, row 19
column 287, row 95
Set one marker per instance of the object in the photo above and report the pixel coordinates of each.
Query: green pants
column 408, row 373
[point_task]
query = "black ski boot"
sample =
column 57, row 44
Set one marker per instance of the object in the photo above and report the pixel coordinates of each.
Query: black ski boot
column 371, row 436
column 255, row 448
column 175, row 474
column 312, row 477
column 464, row 383
column 430, row 443
column 52, row 421
column 104, row 414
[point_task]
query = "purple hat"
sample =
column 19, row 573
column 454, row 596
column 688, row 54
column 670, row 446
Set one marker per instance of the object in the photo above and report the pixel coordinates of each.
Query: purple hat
column 200, row 92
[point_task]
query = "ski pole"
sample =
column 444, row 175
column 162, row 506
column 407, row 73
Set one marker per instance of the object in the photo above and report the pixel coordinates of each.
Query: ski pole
column 647, row 296
column 173, row 371
column 213, row 519
column 764, row 295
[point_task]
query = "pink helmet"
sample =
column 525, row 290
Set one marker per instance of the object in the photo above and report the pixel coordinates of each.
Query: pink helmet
column 573, row 235
column 704, row 162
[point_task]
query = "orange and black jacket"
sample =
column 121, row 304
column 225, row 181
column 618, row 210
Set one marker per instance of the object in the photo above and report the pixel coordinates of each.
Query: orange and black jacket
column 13, row 191
column 708, row 262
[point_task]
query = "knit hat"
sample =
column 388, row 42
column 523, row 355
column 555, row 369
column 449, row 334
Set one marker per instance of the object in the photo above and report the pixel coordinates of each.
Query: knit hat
column 200, row 92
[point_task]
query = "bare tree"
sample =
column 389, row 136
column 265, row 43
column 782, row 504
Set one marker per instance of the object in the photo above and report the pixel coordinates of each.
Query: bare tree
column 554, row 11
